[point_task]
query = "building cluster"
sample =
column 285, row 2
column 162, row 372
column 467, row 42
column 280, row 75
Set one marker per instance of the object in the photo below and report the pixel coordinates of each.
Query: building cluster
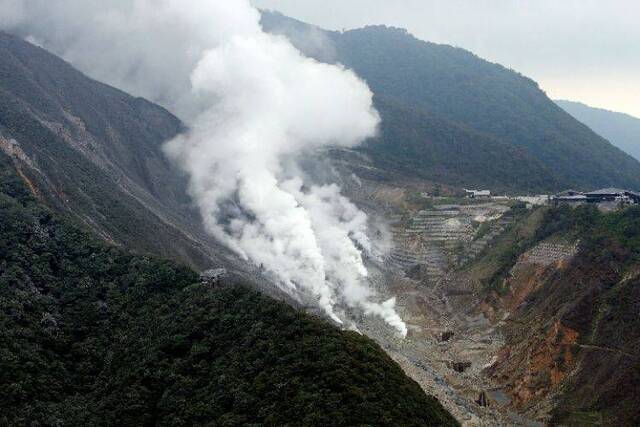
column 605, row 195
column 538, row 200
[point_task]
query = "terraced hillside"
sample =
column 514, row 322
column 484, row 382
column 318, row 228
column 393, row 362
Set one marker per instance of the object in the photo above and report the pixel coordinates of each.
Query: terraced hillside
column 517, row 316
column 446, row 236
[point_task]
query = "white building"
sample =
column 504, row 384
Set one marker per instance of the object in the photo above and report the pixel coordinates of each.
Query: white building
column 474, row 194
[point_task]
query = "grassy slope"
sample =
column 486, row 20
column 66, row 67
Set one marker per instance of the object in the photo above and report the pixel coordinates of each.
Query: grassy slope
column 503, row 253
column 91, row 335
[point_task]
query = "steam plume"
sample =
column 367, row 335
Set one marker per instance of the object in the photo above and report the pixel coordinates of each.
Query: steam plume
column 253, row 104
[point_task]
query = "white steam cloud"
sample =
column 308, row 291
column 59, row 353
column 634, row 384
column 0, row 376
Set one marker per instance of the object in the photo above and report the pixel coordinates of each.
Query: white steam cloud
column 253, row 105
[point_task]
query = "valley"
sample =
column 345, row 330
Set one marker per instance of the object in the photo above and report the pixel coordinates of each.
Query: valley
column 448, row 345
column 246, row 261
column 469, row 277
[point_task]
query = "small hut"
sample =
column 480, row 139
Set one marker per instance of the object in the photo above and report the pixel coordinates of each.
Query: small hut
column 213, row 276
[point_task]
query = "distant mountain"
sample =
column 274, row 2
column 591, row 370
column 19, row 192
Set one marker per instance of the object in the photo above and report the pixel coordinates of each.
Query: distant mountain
column 454, row 118
column 95, row 152
column 622, row 130
column 92, row 335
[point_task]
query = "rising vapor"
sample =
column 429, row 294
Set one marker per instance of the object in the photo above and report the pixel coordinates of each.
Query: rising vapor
column 253, row 105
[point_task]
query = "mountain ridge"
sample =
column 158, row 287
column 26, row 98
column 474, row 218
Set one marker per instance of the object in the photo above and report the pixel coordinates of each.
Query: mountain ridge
column 457, row 86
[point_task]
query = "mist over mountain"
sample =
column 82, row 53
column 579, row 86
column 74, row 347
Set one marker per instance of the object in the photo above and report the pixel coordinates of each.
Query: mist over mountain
column 96, row 153
column 622, row 130
column 250, row 115
column 548, row 149
column 83, row 180
column 502, row 311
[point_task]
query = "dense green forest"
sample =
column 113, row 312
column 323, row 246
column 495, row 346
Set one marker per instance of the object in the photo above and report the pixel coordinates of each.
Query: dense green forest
column 92, row 335
column 453, row 84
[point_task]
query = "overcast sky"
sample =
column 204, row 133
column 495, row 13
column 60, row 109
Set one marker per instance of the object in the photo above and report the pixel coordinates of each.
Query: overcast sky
column 582, row 50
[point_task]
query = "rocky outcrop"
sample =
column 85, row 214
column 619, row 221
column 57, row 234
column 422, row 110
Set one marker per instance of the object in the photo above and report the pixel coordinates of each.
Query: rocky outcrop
column 482, row 399
column 571, row 327
column 538, row 364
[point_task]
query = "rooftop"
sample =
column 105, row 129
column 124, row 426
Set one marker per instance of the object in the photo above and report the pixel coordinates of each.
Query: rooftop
column 609, row 190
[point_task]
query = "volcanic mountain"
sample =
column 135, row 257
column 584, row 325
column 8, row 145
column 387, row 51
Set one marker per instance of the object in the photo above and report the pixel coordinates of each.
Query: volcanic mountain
column 454, row 118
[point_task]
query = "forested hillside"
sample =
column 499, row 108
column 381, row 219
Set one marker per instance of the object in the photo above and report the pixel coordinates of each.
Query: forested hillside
column 91, row 335
column 497, row 107
column 419, row 145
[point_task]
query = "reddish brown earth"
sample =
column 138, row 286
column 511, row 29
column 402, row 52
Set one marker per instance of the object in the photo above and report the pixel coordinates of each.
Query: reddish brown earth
column 568, row 349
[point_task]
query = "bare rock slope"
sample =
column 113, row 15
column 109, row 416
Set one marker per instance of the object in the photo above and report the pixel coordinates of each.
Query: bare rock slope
column 96, row 153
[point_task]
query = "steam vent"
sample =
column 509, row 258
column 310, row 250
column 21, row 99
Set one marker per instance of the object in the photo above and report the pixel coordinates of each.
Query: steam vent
column 214, row 213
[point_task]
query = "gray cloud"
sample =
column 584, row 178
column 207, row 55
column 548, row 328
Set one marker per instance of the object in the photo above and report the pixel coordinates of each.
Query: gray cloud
column 582, row 49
